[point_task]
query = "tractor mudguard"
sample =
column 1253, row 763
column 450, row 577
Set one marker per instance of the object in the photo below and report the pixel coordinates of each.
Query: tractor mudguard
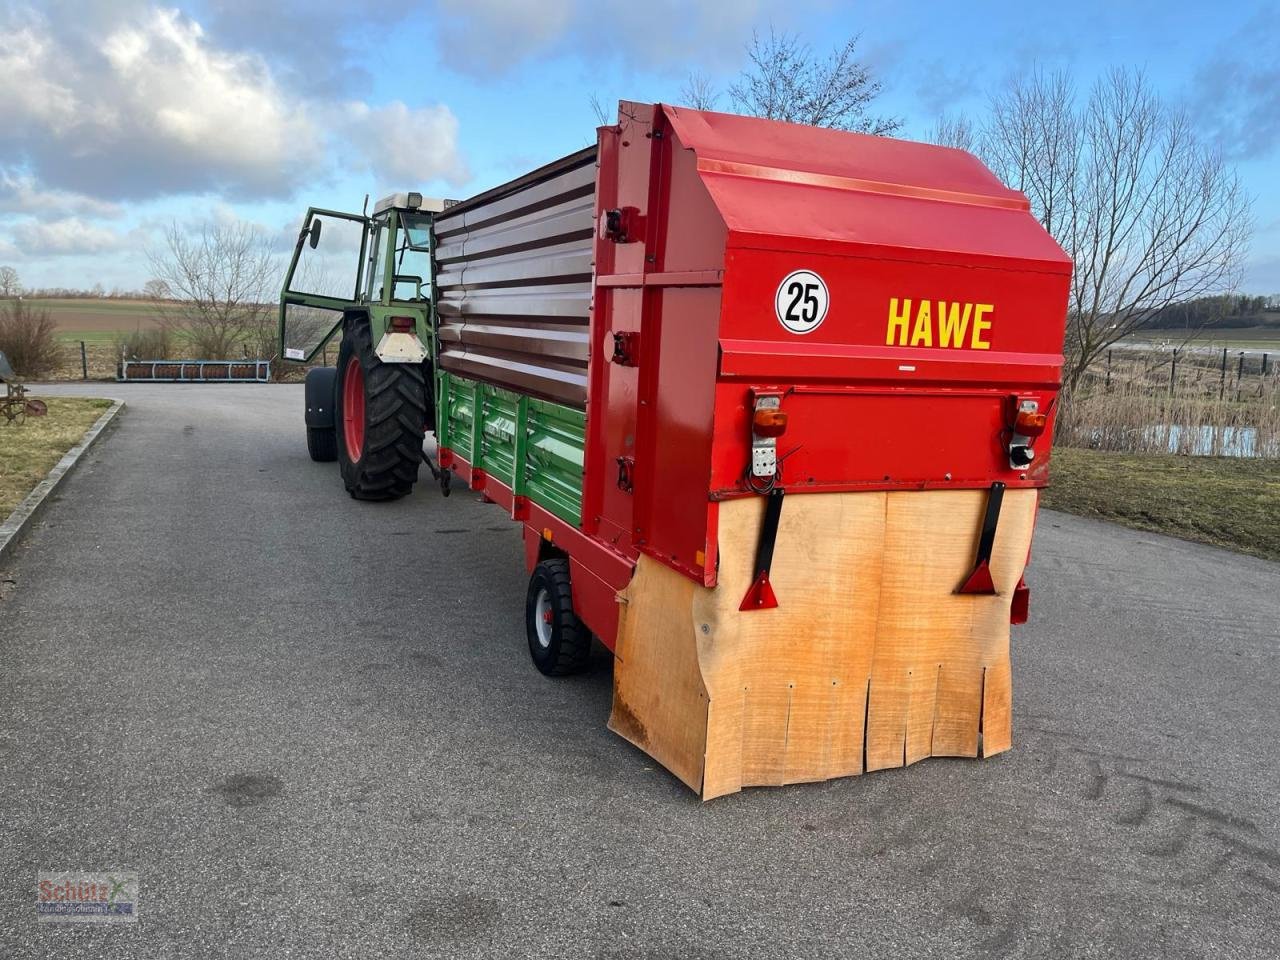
column 320, row 385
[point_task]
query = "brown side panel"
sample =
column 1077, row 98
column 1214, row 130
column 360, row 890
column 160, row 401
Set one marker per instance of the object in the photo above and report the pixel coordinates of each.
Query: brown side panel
column 513, row 281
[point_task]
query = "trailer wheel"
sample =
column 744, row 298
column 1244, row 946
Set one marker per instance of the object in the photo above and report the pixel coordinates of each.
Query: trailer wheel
column 559, row 642
column 380, row 417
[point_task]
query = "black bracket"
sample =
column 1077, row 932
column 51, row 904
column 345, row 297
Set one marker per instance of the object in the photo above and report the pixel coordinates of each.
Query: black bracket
column 760, row 595
column 979, row 581
column 626, row 467
column 626, row 348
column 623, row 225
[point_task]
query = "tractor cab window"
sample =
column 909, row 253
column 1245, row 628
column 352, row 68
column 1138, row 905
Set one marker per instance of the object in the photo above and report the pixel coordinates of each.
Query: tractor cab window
column 413, row 258
column 377, row 259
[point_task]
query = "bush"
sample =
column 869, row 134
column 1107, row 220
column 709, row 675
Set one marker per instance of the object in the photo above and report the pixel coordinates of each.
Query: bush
column 29, row 339
column 154, row 343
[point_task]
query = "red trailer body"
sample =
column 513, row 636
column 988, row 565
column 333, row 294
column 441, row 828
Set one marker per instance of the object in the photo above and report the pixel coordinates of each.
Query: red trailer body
column 892, row 300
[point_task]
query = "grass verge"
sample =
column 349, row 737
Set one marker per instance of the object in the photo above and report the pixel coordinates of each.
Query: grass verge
column 28, row 452
column 1231, row 502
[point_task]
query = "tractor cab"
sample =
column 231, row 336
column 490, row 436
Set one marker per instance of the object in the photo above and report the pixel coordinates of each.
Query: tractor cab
column 375, row 266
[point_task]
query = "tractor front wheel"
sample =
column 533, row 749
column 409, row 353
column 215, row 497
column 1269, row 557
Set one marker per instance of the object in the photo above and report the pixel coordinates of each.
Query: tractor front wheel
column 380, row 415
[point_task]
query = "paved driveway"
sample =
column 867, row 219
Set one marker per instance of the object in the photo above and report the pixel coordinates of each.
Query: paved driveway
column 311, row 728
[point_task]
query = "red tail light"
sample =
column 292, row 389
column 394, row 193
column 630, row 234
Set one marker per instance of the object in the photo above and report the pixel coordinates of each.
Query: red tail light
column 402, row 324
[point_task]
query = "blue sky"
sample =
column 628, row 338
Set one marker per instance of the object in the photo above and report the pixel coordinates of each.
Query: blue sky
column 125, row 113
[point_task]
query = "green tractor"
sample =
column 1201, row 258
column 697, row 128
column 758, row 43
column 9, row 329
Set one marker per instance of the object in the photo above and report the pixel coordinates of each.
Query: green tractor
column 367, row 278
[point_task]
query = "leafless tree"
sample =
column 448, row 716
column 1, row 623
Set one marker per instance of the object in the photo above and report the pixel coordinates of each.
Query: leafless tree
column 786, row 80
column 1149, row 214
column 10, row 285
column 155, row 289
column 699, row 92
column 597, row 108
column 221, row 279
column 955, row 132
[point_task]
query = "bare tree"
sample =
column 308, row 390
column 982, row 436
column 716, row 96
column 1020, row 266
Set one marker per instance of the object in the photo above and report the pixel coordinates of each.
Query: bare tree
column 699, row 92
column 597, row 108
column 786, row 80
column 155, row 289
column 955, row 132
column 1149, row 214
column 222, row 280
column 10, row 285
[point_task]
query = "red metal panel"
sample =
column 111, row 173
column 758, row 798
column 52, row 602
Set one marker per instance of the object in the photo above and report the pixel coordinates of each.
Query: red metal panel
column 711, row 214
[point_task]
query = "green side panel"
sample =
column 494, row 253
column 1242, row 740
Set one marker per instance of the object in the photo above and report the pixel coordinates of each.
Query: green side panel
column 459, row 404
column 556, row 438
column 533, row 446
column 498, row 413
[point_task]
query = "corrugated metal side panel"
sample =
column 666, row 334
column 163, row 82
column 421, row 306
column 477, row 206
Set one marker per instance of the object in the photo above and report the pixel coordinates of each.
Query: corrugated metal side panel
column 513, row 282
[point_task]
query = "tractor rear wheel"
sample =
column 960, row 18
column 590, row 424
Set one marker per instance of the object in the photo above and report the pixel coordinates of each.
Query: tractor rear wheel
column 380, row 416
column 559, row 642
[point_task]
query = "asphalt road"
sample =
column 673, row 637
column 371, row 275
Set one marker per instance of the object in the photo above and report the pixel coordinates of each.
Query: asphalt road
column 311, row 727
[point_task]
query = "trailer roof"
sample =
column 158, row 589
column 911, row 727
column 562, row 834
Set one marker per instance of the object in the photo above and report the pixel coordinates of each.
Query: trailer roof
column 816, row 186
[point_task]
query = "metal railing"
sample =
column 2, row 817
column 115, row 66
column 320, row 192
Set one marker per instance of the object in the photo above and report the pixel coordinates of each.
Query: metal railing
column 195, row 371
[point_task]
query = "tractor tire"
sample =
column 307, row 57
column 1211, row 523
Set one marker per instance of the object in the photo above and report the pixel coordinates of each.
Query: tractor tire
column 559, row 643
column 320, row 391
column 380, row 416
column 322, row 444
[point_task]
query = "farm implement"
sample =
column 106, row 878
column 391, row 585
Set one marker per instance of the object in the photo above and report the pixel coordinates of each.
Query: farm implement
column 772, row 404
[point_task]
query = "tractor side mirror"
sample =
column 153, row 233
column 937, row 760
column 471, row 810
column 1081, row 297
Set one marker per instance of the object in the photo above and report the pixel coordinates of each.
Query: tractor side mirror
column 315, row 233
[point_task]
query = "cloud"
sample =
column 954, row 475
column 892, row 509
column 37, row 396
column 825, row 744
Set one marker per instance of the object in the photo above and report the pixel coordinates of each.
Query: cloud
column 482, row 37
column 1236, row 93
column 19, row 193
column 132, row 102
column 407, row 146
column 70, row 235
column 146, row 107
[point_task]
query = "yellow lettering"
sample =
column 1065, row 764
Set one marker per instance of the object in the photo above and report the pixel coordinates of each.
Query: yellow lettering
column 923, row 332
column 952, row 324
column 896, row 335
column 981, row 325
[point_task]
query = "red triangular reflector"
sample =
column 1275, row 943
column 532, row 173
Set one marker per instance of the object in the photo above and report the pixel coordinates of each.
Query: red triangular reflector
column 760, row 596
column 979, row 581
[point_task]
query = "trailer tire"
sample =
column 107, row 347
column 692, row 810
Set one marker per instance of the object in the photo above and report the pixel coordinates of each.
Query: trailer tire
column 380, row 417
column 559, row 643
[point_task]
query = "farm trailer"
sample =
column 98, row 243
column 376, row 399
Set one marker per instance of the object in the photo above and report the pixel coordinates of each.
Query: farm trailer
column 772, row 403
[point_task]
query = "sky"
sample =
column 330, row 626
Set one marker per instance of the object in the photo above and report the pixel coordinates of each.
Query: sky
column 120, row 116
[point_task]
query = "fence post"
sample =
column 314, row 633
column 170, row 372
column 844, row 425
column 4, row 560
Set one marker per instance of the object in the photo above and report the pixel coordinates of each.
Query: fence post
column 1173, row 370
column 1222, row 383
column 1264, row 364
column 1108, row 369
column 84, row 363
column 326, row 354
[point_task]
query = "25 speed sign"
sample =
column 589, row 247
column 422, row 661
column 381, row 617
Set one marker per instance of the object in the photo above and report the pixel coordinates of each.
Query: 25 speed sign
column 801, row 301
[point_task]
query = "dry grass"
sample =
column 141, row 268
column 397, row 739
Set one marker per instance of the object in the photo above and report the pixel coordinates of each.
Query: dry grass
column 29, row 451
column 1231, row 502
column 1149, row 405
